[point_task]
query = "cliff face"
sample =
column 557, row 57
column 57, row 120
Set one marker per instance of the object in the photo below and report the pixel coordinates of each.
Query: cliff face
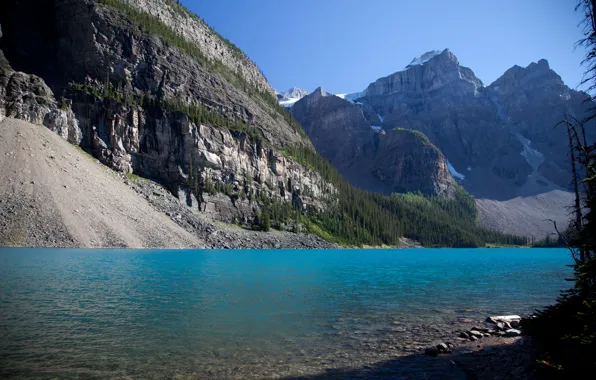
column 389, row 161
column 27, row 97
column 531, row 101
column 107, row 57
column 211, row 44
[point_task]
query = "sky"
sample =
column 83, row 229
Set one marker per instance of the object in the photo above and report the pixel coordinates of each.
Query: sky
column 343, row 45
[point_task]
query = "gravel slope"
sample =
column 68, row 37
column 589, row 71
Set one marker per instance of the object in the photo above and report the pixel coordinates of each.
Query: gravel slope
column 526, row 216
column 54, row 195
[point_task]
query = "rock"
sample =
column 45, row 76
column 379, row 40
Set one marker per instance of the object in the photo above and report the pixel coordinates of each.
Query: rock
column 475, row 333
column 464, row 334
column 512, row 333
column 431, row 351
column 473, row 338
column 503, row 318
column 443, row 348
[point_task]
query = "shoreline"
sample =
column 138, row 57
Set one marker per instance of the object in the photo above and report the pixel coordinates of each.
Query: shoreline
column 488, row 357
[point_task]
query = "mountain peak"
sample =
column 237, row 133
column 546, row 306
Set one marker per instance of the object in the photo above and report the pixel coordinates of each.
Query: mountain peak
column 291, row 96
column 536, row 73
column 540, row 65
column 295, row 92
column 424, row 58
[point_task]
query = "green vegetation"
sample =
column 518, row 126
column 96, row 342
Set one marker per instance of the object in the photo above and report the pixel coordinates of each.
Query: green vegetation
column 566, row 331
column 182, row 10
column 63, row 104
column 419, row 135
column 196, row 111
column 363, row 217
column 134, row 177
column 549, row 241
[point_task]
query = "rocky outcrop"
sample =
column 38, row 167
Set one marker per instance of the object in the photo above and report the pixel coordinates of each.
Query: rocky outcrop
column 171, row 148
column 395, row 160
column 437, row 72
column 28, row 98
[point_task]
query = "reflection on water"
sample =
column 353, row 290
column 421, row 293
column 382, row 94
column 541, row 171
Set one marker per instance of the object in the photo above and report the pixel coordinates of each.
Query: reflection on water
column 239, row 314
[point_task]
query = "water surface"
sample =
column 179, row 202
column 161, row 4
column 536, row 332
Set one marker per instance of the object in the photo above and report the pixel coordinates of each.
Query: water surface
column 250, row 313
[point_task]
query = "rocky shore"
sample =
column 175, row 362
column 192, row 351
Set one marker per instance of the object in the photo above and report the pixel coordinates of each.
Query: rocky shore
column 494, row 349
column 488, row 351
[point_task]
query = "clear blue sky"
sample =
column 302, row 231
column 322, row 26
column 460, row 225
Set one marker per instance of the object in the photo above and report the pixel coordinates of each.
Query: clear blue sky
column 343, row 45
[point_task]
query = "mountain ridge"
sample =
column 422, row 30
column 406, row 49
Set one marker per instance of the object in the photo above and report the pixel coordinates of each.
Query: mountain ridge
column 446, row 101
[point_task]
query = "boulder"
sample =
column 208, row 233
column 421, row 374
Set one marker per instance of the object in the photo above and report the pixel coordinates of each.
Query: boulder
column 512, row 332
column 443, row 348
column 503, row 318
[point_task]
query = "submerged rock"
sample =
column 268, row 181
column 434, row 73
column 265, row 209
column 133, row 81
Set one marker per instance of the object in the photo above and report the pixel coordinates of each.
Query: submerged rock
column 512, row 333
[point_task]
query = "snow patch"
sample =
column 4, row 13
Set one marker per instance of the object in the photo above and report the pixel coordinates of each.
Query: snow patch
column 381, row 118
column 469, row 168
column 352, row 97
column 565, row 96
column 454, row 173
column 289, row 103
column 423, row 58
column 291, row 96
column 532, row 156
column 376, row 127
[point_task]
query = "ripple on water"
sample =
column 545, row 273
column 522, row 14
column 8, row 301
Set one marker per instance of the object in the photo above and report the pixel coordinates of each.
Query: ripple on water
column 251, row 314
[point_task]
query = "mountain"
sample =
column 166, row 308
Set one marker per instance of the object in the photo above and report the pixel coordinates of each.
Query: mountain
column 189, row 122
column 396, row 160
column 148, row 88
column 499, row 140
column 291, row 96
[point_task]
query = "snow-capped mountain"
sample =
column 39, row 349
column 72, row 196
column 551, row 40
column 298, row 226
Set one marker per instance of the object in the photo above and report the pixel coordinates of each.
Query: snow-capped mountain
column 291, row 96
column 423, row 58
column 498, row 139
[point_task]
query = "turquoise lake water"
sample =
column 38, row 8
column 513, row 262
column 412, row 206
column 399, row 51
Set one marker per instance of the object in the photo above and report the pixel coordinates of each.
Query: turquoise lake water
column 250, row 313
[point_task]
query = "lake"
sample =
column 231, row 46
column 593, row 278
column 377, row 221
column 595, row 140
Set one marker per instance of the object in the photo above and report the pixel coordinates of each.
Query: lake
column 69, row 313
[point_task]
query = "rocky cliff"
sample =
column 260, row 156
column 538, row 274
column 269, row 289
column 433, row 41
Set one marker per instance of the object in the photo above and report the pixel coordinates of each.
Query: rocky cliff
column 27, row 97
column 499, row 140
column 150, row 89
column 393, row 160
